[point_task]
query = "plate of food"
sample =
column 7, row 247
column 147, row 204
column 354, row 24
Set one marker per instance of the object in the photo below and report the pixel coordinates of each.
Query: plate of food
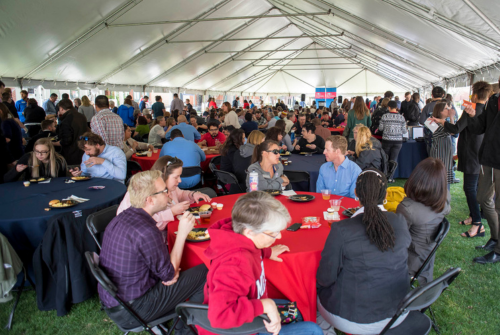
column 274, row 193
column 350, row 211
column 307, row 153
column 200, row 209
column 81, row 178
column 301, row 197
column 62, row 203
column 141, row 154
column 37, row 180
column 285, row 153
column 198, row 235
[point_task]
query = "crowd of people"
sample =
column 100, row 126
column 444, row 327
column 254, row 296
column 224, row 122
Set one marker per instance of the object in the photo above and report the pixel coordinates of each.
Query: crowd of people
column 80, row 138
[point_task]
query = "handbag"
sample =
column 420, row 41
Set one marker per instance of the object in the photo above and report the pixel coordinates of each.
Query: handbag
column 289, row 312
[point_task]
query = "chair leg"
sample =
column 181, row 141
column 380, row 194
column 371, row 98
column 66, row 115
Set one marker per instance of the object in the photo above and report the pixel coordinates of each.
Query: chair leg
column 433, row 318
column 173, row 326
column 11, row 316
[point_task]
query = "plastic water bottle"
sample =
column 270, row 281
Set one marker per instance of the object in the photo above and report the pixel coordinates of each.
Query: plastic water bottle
column 254, row 181
column 292, row 135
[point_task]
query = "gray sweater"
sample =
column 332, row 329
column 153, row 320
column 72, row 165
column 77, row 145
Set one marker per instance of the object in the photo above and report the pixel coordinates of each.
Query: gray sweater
column 265, row 180
column 88, row 111
column 394, row 126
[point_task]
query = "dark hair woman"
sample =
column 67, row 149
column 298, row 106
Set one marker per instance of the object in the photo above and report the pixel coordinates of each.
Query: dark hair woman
column 276, row 134
column 441, row 141
column 359, row 114
column 34, row 115
column 235, row 140
column 287, row 140
column 370, row 247
column 266, row 162
column 11, row 130
column 142, row 127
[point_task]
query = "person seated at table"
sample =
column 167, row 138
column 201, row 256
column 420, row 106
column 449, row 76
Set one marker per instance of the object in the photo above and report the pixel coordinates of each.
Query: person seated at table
column 363, row 272
column 266, row 162
column 189, row 132
column 426, row 204
column 321, row 131
column 235, row 140
column 48, row 131
column 242, row 159
column 309, row 142
column 137, row 261
column 214, row 138
column 171, row 168
column 226, row 130
column 326, row 120
column 340, row 119
column 276, row 134
column 236, row 285
column 142, row 127
column 368, row 152
column 249, row 125
column 201, row 128
column 100, row 160
column 338, row 174
column 157, row 133
column 187, row 151
column 130, row 146
column 42, row 162
column 287, row 140
column 297, row 126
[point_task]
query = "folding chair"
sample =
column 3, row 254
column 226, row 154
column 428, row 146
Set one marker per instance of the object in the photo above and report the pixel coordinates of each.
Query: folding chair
column 417, row 302
column 215, row 162
column 225, row 178
column 132, row 166
column 98, row 221
column 391, row 170
column 197, row 315
column 105, row 282
column 191, row 171
column 145, row 138
column 298, row 177
column 208, row 191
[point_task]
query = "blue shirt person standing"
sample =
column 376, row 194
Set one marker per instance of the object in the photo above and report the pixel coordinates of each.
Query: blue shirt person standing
column 338, row 174
column 21, row 105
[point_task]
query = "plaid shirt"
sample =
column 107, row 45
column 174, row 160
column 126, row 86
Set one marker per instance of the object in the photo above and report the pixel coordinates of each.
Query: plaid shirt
column 133, row 256
column 109, row 126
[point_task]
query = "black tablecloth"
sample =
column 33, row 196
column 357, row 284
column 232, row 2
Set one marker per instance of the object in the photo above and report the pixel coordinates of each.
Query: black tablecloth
column 310, row 164
column 23, row 219
column 412, row 153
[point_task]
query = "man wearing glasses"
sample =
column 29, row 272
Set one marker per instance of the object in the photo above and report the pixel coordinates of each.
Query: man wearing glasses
column 100, row 160
column 137, row 261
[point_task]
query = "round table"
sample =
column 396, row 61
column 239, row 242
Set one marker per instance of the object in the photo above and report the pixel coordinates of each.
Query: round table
column 24, row 219
column 295, row 277
column 336, row 131
column 309, row 164
column 147, row 163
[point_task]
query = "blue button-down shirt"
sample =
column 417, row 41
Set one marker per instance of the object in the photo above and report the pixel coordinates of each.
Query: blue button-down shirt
column 49, row 107
column 114, row 165
column 188, row 131
column 341, row 182
column 189, row 153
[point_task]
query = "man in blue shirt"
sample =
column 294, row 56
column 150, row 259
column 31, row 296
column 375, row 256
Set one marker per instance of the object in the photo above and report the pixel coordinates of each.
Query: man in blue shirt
column 190, row 133
column 21, row 105
column 338, row 174
column 188, row 152
column 100, row 160
column 249, row 125
column 235, row 102
column 142, row 105
column 50, row 105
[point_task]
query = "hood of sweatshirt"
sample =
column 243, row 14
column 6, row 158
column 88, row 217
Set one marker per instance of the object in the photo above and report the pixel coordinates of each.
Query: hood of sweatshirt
column 246, row 150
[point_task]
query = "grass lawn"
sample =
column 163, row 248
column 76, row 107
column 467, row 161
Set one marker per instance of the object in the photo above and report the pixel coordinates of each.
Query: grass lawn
column 469, row 306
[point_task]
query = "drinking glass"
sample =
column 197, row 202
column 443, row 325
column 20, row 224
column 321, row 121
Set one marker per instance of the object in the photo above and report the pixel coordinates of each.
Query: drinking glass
column 335, row 204
column 326, row 194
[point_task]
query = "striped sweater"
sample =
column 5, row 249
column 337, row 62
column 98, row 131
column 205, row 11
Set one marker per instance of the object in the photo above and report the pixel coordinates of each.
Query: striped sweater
column 394, row 126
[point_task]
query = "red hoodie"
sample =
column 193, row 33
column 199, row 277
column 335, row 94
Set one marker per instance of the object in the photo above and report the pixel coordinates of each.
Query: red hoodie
column 236, row 280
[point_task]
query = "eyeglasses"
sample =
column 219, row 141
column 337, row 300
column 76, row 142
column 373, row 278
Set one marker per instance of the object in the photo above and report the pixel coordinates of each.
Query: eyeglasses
column 272, row 236
column 275, row 151
column 41, row 152
column 164, row 191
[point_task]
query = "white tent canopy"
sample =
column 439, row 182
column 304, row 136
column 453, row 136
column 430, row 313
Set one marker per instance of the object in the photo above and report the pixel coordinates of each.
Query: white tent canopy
column 362, row 47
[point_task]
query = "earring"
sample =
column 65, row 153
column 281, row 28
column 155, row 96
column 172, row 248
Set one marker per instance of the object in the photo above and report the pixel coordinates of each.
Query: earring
column 385, row 201
column 356, row 198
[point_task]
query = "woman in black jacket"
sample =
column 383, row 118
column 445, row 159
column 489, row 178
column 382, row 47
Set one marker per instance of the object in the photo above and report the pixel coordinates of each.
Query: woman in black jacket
column 368, row 152
column 235, row 140
column 363, row 272
column 412, row 112
column 34, row 115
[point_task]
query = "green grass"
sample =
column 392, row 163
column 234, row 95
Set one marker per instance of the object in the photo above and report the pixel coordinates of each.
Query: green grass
column 469, row 306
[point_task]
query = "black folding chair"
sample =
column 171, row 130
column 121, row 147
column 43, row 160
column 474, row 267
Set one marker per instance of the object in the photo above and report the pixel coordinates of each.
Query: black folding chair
column 197, row 315
column 417, row 302
column 191, row 171
column 105, row 282
column 224, row 178
column 98, row 221
column 208, row 191
column 145, row 138
column 391, row 170
column 132, row 166
column 215, row 162
column 210, row 176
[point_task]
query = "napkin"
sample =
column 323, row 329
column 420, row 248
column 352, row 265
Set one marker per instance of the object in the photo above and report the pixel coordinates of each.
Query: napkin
column 45, row 181
column 289, row 193
column 76, row 199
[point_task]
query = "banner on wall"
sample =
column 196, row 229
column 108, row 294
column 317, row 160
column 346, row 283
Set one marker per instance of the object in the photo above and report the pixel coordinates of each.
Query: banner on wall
column 331, row 93
column 320, row 93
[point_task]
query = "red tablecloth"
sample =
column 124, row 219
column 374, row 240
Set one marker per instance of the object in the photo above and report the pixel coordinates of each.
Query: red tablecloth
column 337, row 131
column 294, row 278
column 148, row 162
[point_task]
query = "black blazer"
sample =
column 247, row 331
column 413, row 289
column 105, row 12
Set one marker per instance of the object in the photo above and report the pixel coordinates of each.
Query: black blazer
column 356, row 280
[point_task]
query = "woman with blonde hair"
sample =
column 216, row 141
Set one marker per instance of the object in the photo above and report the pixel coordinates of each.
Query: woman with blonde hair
column 86, row 109
column 43, row 162
column 368, row 151
column 157, row 132
column 359, row 114
column 169, row 124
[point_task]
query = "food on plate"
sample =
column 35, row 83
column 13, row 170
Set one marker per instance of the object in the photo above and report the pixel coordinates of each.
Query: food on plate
column 63, row 203
column 40, row 179
column 80, row 178
column 53, row 202
column 198, row 235
column 205, row 208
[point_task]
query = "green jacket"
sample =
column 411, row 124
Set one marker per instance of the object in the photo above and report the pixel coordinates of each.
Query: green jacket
column 352, row 121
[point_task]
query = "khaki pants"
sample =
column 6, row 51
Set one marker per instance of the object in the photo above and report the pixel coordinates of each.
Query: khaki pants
column 486, row 190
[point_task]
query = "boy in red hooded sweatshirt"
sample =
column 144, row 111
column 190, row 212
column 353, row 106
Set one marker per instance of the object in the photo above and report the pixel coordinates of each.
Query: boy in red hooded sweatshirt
column 236, row 283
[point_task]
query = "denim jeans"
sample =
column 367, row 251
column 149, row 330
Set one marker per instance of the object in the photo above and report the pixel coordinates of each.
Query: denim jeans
column 470, row 190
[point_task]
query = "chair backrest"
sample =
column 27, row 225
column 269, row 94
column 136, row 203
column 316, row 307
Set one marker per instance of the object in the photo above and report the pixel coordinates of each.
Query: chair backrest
column 197, row 315
column 215, row 162
column 424, row 296
column 98, row 221
column 145, row 137
column 297, row 176
column 444, row 228
column 132, row 166
column 208, row 191
column 190, row 171
column 226, row 178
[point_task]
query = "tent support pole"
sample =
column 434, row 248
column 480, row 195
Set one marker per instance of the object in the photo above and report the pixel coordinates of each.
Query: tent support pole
column 350, row 78
column 291, row 75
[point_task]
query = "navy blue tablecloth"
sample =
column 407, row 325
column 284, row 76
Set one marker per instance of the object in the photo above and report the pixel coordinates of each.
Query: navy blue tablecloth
column 412, row 153
column 310, row 164
column 23, row 219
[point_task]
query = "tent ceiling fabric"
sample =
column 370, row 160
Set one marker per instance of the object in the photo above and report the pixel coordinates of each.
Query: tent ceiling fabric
column 372, row 45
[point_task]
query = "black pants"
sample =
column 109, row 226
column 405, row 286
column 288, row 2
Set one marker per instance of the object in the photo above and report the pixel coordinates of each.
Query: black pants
column 161, row 300
column 392, row 149
column 470, row 190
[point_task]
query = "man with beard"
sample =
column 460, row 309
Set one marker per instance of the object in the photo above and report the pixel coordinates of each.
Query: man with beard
column 100, row 160
column 214, row 137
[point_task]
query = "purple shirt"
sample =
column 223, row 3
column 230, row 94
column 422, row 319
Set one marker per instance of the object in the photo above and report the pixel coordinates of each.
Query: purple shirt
column 133, row 256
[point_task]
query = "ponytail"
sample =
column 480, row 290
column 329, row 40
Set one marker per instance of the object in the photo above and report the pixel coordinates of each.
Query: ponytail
column 371, row 189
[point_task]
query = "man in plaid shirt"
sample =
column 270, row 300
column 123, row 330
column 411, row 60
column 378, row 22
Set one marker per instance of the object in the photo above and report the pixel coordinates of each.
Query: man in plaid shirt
column 107, row 124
